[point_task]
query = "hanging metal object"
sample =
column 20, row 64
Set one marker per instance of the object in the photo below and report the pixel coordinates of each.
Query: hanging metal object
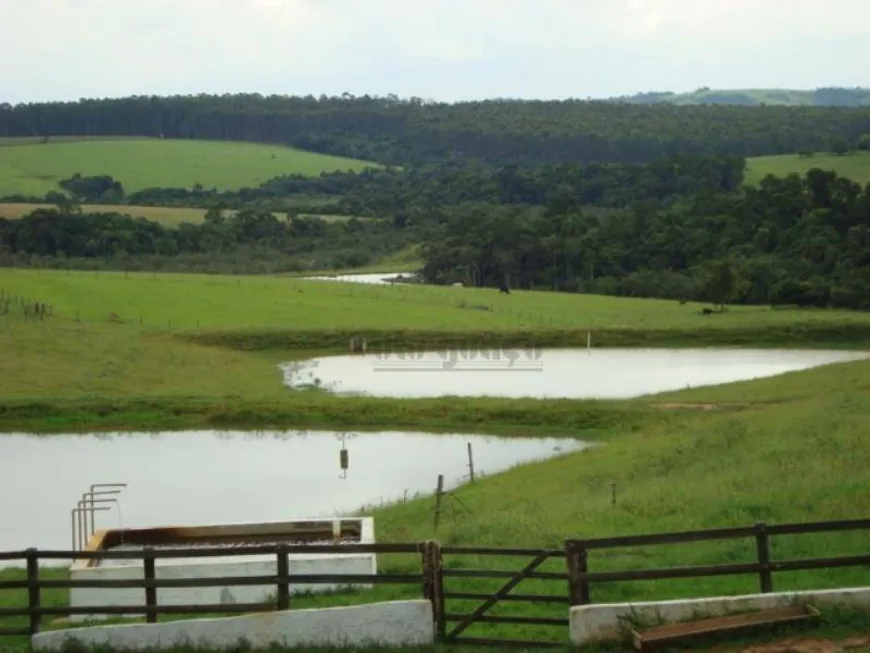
column 343, row 455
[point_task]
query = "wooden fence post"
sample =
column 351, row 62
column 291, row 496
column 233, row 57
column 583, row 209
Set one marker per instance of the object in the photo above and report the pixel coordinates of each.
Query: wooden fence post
column 440, row 611
column 439, row 493
column 150, row 589
column 583, row 592
column 433, row 584
column 283, row 568
column 33, row 598
column 572, row 563
column 428, row 576
column 762, row 544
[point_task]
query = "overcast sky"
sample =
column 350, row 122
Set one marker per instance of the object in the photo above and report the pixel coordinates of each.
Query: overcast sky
column 436, row 49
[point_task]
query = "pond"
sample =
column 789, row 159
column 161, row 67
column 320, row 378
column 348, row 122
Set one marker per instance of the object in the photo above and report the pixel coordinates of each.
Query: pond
column 202, row 477
column 378, row 278
column 549, row 373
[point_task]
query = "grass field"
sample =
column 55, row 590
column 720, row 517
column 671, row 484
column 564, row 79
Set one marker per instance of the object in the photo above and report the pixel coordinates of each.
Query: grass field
column 220, row 302
column 34, row 169
column 854, row 166
column 13, row 141
column 166, row 215
column 782, row 449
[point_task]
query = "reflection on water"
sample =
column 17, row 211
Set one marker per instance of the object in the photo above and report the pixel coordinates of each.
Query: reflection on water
column 202, row 477
column 549, row 373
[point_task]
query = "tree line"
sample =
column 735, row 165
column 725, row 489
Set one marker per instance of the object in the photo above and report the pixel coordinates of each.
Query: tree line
column 406, row 195
column 412, row 131
column 247, row 241
column 793, row 240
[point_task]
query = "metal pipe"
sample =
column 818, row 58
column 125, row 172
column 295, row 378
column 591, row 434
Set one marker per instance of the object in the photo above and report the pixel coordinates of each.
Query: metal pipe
column 93, row 520
column 83, row 509
column 92, row 502
column 72, row 514
column 90, row 507
column 80, row 510
column 113, row 485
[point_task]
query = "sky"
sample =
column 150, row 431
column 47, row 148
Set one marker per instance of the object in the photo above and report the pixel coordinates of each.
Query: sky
column 447, row 50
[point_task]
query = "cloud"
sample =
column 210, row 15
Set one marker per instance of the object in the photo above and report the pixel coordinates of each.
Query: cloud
column 434, row 48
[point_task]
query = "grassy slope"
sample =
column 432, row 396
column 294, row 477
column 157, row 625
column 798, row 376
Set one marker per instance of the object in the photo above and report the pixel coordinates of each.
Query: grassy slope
column 855, row 166
column 141, row 163
column 169, row 216
column 228, row 302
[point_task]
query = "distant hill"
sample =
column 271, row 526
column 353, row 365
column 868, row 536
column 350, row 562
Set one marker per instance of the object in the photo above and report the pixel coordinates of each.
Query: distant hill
column 821, row 97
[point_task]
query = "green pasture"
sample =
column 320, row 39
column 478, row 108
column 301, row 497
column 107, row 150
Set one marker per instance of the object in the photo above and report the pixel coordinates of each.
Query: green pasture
column 854, row 166
column 36, row 168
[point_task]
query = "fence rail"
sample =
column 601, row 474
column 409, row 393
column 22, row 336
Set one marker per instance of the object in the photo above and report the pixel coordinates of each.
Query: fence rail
column 435, row 572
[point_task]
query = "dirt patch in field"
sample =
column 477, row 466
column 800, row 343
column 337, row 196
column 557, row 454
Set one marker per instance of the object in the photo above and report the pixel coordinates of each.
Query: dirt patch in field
column 796, row 646
column 807, row 645
column 703, row 407
column 690, row 406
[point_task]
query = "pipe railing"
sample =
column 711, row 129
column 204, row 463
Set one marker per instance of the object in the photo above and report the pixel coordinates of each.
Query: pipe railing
column 77, row 541
column 88, row 498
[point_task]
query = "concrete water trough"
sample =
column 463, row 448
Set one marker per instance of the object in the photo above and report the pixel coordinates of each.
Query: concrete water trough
column 356, row 530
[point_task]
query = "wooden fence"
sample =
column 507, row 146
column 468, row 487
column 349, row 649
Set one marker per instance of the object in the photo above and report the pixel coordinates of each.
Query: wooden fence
column 436, row 571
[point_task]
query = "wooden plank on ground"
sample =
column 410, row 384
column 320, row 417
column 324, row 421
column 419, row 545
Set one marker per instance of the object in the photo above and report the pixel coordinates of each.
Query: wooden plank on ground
column 651, row 638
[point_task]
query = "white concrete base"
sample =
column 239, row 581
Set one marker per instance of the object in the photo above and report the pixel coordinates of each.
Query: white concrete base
column 396, row 623
column 591, row 623
column 218, row 567
column 325, row 564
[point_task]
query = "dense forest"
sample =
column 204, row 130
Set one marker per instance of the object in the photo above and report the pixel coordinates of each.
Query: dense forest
column 244, row 242
column 415, row 132
column 795, row 240
column 400, row 194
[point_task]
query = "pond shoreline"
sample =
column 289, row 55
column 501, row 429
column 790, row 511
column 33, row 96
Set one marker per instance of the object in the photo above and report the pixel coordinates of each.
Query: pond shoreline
column 313, row 409
column 807, row 335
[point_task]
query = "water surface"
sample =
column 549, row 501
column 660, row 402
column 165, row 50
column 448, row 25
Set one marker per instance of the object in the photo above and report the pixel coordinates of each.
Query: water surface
column 206, row 477
column 378, row 278
column 550, row 373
